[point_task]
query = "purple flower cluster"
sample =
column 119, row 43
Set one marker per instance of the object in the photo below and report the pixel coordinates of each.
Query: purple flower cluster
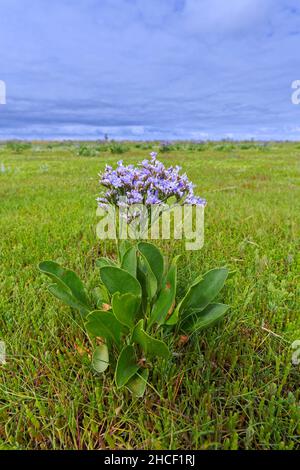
column 148, row 183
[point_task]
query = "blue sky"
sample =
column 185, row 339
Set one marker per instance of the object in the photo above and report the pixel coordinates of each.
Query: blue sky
column 142, row 69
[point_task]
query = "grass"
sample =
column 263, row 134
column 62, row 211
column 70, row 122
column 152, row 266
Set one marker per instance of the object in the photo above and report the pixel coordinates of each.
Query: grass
column 232, row 387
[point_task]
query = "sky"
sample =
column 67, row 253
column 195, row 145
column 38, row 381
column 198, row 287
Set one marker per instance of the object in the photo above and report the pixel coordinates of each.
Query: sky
column 149, row 69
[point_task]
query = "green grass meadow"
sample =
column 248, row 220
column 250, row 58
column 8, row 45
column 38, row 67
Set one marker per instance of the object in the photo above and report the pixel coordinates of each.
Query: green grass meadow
column 231, row 387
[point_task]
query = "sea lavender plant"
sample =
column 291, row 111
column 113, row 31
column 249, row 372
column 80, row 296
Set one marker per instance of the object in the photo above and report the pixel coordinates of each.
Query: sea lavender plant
column 131, row 314
column 148, row 183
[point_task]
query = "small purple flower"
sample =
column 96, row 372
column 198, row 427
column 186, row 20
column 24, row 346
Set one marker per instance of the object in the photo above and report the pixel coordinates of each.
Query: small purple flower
column 153, row 154
column 152, row 198
column 149, row 182
column 134, row 197
column 195, row 201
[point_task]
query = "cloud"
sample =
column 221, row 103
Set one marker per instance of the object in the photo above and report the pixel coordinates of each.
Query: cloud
column 159, row 69
column 219, row 17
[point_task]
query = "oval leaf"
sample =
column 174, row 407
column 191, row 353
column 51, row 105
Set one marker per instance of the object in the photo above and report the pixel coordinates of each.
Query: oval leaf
column 105, row 325
column 138, row 383
column 151, row 346
column 100, row 296
column 65, row 278
column 129, row 261
column 100, row 361
column 123, row 246
column 117, row 280
column 154, row 258
column 166, row 299
column 200, row 320
column 126, row 366
column 146, row 277
column 125, row 307
column 65, row 296
column 204, row 290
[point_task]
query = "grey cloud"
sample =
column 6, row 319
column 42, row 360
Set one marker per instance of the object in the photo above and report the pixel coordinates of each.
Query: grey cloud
column 173, row 68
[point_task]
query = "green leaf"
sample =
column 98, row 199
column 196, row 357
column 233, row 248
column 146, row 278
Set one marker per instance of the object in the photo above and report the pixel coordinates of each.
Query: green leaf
column 104, row 262
column 65, row 278
column 100, row 296
column 150, row 346
column 126, row 366
column 173, row 319
column 146, row 277
column 65, row 296
column 125, row 307
column 117, row 280
column 100, row 361
column 200, row 320
column 155, row 259
column 166, row 298
column 138, row 383
column 204, row 290
column 105, row 325
column 123, row 246
column 129, row 261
